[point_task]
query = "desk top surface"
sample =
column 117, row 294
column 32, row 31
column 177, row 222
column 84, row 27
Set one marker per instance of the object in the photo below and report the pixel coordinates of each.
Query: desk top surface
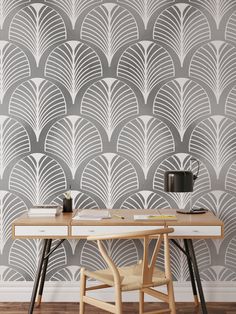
column 66, row 219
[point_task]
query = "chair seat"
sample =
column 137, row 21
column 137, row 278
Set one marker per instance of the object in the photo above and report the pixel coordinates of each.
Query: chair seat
column 131, row 277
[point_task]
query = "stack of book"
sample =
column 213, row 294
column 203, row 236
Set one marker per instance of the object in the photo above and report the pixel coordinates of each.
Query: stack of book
column 49, row 210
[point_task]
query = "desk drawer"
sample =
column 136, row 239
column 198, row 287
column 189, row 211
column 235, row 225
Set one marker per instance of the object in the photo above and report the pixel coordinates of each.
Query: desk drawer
column 41, row 231
column 196, row 231
column 96, row 230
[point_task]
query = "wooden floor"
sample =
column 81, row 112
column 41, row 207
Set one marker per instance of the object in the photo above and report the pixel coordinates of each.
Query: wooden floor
column 129, row 308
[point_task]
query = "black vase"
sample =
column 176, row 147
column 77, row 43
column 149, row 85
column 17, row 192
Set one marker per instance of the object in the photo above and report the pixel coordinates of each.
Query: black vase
column 67, row 205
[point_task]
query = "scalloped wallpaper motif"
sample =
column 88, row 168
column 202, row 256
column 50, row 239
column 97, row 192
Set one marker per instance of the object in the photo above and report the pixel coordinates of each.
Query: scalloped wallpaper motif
column 106, row 96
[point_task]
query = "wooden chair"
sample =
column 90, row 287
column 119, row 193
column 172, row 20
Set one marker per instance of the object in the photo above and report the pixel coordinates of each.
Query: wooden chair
column 142, row 276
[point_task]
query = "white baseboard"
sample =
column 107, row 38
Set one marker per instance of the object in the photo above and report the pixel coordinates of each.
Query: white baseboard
column 69, row 292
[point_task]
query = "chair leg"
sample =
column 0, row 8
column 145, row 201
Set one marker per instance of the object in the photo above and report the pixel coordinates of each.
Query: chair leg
column 171, row 297
column 141, row 302
column 82, row 290
column 118, row 301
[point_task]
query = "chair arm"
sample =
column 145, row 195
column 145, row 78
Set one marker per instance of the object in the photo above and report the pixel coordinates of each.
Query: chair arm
column 131, row 235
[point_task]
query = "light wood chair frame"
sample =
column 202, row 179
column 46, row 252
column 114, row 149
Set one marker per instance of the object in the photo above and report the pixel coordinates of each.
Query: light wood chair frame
column 147, row 273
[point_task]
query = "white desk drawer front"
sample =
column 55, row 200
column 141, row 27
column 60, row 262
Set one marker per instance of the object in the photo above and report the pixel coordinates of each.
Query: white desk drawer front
column 96, row 230
column 41, row 231
column 196, row 231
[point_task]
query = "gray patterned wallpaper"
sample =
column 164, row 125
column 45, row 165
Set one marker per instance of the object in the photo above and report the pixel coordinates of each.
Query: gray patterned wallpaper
column 106, row 96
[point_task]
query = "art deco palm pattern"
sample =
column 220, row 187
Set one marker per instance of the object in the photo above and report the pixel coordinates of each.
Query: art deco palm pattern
column 106, row 96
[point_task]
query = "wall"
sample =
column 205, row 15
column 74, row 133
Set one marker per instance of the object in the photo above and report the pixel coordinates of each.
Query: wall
column 106, row 96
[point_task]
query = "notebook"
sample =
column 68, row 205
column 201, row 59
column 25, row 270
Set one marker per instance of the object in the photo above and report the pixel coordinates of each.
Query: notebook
column 155, row 217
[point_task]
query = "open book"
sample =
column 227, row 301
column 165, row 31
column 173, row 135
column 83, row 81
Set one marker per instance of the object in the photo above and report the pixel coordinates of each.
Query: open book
column 92, row 214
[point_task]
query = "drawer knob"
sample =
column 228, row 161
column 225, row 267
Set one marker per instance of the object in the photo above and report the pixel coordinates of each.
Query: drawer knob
column 91, row 230
column 196, row 231
column 41, row 230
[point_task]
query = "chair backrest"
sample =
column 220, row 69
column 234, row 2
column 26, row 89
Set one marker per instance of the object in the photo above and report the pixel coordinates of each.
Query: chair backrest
column 147, row 265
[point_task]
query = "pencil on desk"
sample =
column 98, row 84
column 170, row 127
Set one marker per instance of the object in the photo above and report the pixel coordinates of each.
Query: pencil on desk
column 118, row 216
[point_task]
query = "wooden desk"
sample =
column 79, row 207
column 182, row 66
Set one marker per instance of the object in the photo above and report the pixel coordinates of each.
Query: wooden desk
column 200, row 226
column 187, row 227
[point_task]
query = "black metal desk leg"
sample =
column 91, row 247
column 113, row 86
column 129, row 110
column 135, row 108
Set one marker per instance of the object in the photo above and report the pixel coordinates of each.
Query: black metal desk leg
column 37, row 277
column 44, row 271
column 197, row 276
column 190, row 268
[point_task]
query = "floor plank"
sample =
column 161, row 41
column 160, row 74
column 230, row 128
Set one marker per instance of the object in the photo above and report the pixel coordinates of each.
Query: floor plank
column 129, row 308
